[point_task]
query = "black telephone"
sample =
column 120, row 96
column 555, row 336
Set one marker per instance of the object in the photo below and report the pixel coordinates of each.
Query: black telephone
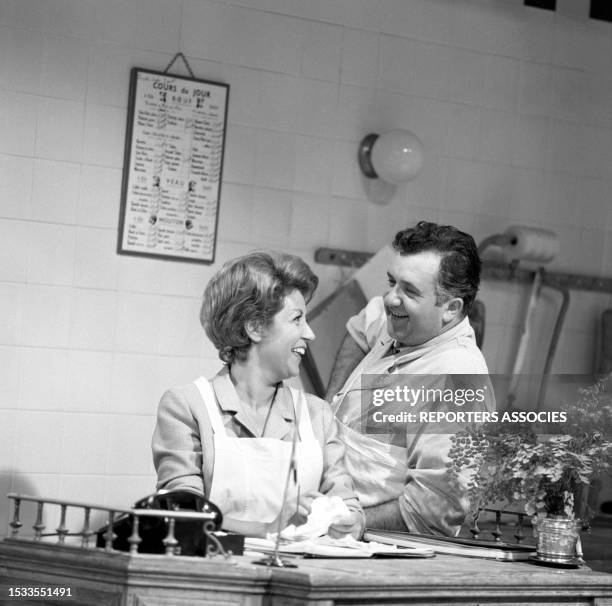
column 192, row 540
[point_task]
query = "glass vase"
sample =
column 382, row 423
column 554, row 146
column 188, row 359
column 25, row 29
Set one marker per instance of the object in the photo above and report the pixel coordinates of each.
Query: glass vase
column 557, row 539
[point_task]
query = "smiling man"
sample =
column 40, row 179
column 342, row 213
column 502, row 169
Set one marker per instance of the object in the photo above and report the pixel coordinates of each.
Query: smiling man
column 416, row 339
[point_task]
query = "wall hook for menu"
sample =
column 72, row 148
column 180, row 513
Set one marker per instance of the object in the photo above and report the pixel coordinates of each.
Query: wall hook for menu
column 181, row 56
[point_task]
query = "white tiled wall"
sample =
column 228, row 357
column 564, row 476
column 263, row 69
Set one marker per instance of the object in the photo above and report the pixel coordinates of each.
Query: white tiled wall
column 513, row 104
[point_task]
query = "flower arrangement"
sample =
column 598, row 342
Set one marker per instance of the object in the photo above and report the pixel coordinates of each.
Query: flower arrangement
column 513, row 464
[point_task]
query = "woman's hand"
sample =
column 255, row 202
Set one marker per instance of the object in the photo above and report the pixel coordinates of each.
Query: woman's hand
column 304, row 507
column 352, row 523
column 295, row 513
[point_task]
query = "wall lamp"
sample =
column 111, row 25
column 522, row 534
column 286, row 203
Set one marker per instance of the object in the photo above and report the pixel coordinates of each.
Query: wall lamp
column 393, row 158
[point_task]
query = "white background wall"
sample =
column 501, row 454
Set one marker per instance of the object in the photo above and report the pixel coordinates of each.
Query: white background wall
column 513, row 104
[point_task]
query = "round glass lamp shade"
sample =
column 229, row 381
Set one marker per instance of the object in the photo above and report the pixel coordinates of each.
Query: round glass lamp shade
column 394, row 157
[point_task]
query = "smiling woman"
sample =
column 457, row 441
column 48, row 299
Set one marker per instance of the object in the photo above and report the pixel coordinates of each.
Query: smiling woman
column 232, row 438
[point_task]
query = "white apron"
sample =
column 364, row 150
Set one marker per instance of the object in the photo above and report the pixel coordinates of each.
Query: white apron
column 379, row 470
column 249, row 474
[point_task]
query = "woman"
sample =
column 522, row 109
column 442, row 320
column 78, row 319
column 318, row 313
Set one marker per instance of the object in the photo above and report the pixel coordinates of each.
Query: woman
column 232, row 438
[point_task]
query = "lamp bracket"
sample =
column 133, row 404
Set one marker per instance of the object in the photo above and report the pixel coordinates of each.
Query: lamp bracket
column 364, row 155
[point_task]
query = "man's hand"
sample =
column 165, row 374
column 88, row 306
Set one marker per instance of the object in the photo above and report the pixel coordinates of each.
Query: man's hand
column 351, row 523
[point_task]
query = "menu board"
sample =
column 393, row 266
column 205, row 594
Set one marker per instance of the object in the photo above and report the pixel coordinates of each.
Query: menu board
column 173, row 165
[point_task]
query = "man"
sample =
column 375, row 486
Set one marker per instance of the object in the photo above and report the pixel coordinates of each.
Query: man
column 417, row 335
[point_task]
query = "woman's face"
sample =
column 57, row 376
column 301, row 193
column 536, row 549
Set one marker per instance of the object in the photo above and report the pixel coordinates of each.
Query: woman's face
column 284, row 342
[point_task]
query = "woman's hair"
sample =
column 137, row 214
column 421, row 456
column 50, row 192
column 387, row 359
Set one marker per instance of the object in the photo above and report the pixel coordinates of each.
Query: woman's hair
column 250, row 289
column 459, row 274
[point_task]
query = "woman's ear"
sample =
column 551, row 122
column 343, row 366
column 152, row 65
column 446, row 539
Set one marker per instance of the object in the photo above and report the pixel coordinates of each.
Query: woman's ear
column 453, row 309
column 254, row 331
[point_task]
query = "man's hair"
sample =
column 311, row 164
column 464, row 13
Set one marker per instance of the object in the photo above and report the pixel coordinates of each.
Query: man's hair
column 459, row 274
column 250, row 289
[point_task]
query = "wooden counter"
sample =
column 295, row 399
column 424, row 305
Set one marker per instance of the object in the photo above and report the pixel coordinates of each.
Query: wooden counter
column 99, row 578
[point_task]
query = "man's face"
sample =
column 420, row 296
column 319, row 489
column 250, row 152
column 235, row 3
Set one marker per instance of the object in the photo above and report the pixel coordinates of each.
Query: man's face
column 410, row 303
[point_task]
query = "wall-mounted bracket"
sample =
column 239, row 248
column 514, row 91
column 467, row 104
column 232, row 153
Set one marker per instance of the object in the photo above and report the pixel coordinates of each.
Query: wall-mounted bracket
column 336, row 256
column 491, row 270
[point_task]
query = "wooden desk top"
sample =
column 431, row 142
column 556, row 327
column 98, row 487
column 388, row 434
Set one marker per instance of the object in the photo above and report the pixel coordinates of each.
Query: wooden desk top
column 111, row 578
column 447, row 579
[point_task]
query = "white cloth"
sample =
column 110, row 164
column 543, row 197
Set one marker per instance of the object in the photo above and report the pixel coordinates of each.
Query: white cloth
column 249, row 473
column 324, row 512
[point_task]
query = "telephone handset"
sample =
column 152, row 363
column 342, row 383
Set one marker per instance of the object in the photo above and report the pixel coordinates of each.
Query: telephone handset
column 190, row 534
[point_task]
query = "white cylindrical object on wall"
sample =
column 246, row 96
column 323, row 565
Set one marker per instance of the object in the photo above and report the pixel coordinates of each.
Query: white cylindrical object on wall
column 530, row 244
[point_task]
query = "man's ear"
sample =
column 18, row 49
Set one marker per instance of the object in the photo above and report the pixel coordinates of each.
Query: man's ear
column 453, row 309
column 254, row 331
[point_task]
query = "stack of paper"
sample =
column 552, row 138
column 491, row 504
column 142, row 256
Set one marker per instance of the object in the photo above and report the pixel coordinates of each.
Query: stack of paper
column 453, row 546
column 347, row 547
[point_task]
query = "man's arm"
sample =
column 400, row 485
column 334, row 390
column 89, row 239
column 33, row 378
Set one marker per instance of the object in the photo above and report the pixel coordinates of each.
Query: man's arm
column 348, row 356
column 386, row 516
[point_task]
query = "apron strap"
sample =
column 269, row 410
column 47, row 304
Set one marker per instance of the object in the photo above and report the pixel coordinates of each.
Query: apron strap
column 208, row 395
column 304, row 424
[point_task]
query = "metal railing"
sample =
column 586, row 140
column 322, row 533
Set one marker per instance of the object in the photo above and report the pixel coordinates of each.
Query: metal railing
column 497, row 532
column 86, row 534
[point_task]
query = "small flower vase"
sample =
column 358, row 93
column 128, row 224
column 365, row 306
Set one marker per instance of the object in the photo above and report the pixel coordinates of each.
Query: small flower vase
column 558, row 539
